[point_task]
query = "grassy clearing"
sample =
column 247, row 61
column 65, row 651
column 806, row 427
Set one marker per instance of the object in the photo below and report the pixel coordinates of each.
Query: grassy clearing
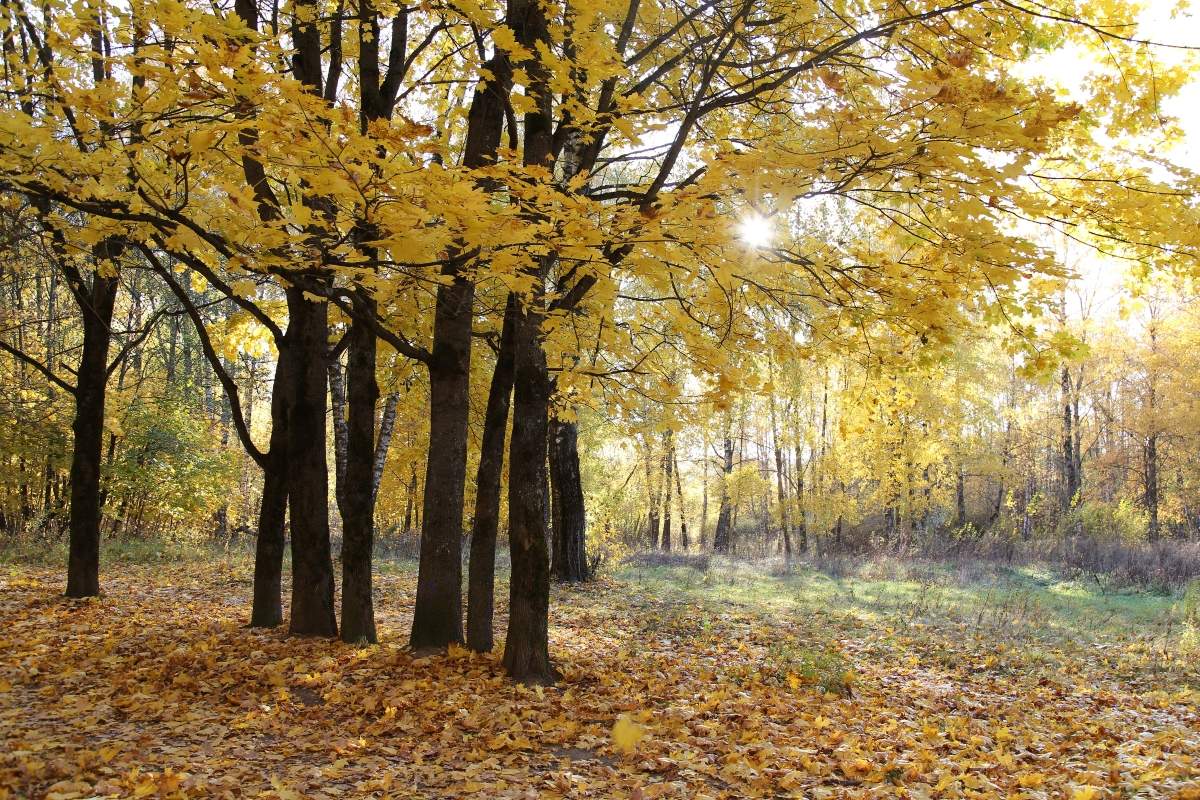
column 50, row 551
column 1029, row 607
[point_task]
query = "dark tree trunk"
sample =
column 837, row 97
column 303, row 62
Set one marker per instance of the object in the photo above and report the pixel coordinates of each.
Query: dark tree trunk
column 652, row 517
column 437, row 617
column 526, row 647
column 723, row 536
column 312, row 612
column 1077, row 451
column 408, row 503
column 704, row 494
column 683, row 531
column 358, row 495
column 1001, row 490
column 801, row 513
column 1070, row 477
column 569, row 556
column 668, row 464
column 960, row 497
column 782, row 495
column 267, row 609
column 83, row 563
column 482, row 567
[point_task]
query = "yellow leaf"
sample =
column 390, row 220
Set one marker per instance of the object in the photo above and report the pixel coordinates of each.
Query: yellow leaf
column 626, row 734
column 1031, row 780
column 145, row 788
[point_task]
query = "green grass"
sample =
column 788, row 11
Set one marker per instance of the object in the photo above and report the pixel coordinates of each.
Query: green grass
column 1030, row 604
column 1024, row 600
column 40, row 551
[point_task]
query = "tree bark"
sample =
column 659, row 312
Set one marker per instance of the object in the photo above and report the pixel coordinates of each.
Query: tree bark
column 668, row 464
column 1070, row 477
column 1153, row 529
column 569, row 557
column 482, row 566
column 312, row 612
column 801, row 512
column 684, row 544
column 357, row 498
column 783, row 508
column 96, row 304
column 723, row 536
column 960, row 496
column 267, row 608
column 526, row 647
column 704, row 493
column 652, row 491
column 437, row 617
column 341, row 431
column 387, row 424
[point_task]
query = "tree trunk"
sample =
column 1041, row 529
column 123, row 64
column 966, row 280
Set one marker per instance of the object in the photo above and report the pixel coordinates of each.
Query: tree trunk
column 387, row 424
column 704, row 493
column 652, row 491
column 1077, row 449
column 83, row 562
column 437, row 617
column 341, row 431
column 1153, row 529
column 1070, row 478
column 684, row 544
column 569, row 557
column 482, row 567
column 801, row 512
column 357, row 497
column 526, row 646
column 723, row 536
column 783, row 508
column 267, row 608
column 312, row 612
column 960, row 497
column 668, row 464
column 408, row 503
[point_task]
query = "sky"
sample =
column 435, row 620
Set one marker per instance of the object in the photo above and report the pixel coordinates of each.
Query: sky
column 1102, row 284
column 1160, row 25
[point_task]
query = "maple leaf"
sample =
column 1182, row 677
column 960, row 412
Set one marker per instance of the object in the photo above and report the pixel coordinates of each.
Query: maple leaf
column 626, row 734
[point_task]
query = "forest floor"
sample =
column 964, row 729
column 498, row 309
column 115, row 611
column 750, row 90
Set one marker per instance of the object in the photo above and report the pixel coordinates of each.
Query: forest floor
column 723, row 682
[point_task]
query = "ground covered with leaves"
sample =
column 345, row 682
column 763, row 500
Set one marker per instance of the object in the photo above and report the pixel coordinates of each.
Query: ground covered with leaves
column 674, row 686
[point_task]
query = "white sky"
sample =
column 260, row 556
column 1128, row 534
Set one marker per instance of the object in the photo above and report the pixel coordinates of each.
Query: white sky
column 1159, row 25
column 1103, row 281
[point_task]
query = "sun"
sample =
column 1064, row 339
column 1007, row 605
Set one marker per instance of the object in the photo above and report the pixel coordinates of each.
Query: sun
column 755, row 230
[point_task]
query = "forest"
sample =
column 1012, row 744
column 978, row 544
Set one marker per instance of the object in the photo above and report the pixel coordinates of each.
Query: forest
column 599, row 399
